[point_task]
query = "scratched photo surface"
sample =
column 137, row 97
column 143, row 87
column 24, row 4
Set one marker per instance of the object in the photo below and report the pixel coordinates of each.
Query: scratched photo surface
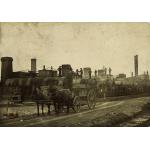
column 80, row 74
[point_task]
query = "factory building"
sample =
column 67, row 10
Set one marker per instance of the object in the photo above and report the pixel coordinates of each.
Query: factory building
column 13, row 81
column 7, row 70
column 25, row 82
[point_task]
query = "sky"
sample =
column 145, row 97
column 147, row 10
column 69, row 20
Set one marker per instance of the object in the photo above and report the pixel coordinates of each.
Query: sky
column 80, row 44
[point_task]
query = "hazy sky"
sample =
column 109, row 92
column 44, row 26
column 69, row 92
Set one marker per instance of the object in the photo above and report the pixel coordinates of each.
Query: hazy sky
column 79, row 44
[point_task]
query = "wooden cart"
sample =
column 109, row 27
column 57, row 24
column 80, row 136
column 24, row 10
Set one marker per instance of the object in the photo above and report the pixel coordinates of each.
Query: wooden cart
column 84, row 94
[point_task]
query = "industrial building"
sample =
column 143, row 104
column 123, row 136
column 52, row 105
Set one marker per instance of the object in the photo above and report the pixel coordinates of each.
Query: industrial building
column 25, row 82
column 21, row 81
column 134, row 79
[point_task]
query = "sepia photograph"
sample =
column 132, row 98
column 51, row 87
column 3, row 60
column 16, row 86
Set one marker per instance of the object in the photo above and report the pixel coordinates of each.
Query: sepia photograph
column 74, row 74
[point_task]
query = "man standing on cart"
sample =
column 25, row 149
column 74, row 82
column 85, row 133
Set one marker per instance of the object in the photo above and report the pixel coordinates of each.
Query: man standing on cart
column 81, row 73
column 90, row 73
column 60, row 71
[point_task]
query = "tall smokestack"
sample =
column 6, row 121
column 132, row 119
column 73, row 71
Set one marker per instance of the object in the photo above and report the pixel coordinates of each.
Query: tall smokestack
column 33, row 65
column 6, row 68
column 136, row 64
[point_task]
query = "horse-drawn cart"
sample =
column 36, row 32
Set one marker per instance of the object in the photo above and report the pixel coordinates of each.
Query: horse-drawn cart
column 82, row 93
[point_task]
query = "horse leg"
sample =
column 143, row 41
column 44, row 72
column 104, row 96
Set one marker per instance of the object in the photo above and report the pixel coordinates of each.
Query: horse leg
column 49, row 108
column 54, row 104
column 56, row 107
column 62, row 107
column 68, row 107
column 42, row 108
column 38, row 112
column 73, row 108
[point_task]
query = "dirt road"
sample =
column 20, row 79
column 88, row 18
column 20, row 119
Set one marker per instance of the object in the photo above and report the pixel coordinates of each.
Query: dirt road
column 110, row 113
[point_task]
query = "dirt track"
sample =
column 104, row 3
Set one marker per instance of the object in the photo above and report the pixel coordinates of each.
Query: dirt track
column 110, row 113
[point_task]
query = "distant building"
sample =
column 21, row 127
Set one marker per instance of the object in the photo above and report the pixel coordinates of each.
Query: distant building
column 86, row 72
column 121, row 75
column 101, row 72
column 7, row 70
column 143, row 77
column 47, row 73
column 121, row 79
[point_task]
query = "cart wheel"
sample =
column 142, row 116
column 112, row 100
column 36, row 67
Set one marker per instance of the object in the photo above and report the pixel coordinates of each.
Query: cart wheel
column 91, row 99
column 76, row 104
